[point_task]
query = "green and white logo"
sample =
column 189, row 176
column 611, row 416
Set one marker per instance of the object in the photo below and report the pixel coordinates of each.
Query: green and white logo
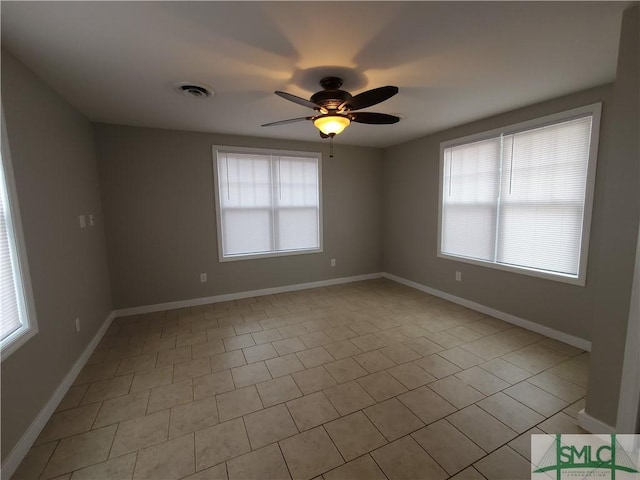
column 603, row 457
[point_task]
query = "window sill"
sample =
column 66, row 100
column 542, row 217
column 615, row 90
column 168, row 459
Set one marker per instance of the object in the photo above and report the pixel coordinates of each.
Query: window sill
column 255, row 256
column 580, row 280
column 14, row 341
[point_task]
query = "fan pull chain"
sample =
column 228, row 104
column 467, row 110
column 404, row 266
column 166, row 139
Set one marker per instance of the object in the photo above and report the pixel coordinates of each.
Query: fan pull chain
column 331, row 135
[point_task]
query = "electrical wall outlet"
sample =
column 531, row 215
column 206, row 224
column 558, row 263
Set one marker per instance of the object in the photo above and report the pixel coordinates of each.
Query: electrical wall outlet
column 77, row 325
column 333, row 262
column 203, row 277
column 458, row 276
column 92, row 220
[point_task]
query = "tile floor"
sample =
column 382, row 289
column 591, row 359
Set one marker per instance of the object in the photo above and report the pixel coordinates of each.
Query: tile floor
column 360, row 381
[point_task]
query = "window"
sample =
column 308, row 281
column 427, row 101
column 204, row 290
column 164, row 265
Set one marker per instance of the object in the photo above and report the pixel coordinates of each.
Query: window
column 17, row 316
column 267, row 202
column 520, row 198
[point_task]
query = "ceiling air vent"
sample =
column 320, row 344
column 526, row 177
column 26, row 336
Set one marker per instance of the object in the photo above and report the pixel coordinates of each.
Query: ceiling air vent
column 194, row 90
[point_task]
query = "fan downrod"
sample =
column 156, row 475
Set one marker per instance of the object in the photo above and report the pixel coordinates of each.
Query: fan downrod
column 331, row 83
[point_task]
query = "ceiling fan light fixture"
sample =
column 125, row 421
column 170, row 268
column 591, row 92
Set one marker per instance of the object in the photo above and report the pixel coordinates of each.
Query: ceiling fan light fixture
column 331, row 124
column 337, row 108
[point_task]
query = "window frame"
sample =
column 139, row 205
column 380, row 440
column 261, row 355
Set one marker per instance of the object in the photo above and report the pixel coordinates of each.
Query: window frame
column 22, row 278
column 594, row 110
column 272, row 152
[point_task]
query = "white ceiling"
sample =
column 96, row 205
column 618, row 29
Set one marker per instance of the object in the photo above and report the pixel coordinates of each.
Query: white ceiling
column 454, row 62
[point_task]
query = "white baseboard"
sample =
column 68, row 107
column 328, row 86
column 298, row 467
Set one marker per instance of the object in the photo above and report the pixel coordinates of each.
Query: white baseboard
column 507, row 317
column 194, row 302
column 15, row 457
column 592, row 424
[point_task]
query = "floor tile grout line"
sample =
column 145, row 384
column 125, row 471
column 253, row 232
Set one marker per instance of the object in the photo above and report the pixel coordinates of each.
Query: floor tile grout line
column 549, row 393
column 377, row 464
column 291, row 415
column 95, row 419
column 431, row 456
column 470, row 439
column 44, row 468
column 113, row 441
column 324, row 429
column 135, row 463
column 286, row 464
column 520, row 403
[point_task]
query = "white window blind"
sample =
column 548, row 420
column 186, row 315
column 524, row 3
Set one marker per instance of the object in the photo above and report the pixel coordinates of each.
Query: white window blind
column 519, row 198
column 543, row 194
column 471, row 184
column 10, row 320
column 268, row 203
column 18, row 321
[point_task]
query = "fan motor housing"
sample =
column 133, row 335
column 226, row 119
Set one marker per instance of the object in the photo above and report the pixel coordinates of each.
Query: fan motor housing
column 330, row 99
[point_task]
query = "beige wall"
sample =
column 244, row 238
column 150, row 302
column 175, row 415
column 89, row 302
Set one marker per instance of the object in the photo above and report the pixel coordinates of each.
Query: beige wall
column 158, row 197
column 620, row 198
column 411, row 174
column 56, row 178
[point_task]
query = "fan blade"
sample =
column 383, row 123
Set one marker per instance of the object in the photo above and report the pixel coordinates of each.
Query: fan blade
column 374, row 118
column 284, row 122
column 369, row 98
column 323, row 135
column 295, row 99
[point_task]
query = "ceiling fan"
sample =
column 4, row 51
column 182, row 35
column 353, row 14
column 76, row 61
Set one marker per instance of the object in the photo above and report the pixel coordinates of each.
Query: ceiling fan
column 336, row 108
